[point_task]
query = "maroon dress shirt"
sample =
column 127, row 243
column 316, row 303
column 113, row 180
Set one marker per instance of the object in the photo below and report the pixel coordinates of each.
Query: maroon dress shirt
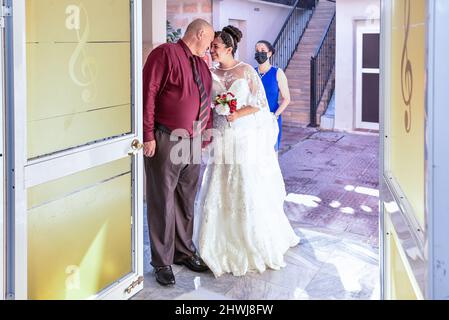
column 170, row 95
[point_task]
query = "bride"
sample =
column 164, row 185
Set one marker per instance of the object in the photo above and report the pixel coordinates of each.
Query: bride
column 242, row 224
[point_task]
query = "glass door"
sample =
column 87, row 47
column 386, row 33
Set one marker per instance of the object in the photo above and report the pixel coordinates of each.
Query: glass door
column 78, row 175
column 368, row 74
column 404, row 149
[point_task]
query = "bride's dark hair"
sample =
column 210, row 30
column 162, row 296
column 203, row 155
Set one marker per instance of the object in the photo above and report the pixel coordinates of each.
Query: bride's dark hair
column 230, row 36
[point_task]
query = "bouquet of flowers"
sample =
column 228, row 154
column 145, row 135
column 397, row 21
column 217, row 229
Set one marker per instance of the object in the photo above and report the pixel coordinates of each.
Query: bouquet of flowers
column 225, row 104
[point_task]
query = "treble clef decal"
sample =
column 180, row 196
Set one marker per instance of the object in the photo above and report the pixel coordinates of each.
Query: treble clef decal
column 407, row 72
column 88, row 71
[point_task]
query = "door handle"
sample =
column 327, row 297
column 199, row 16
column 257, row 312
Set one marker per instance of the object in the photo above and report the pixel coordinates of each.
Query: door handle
column 136, row 146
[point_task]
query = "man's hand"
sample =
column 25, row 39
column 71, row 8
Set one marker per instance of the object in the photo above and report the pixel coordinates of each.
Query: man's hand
column 149, row 149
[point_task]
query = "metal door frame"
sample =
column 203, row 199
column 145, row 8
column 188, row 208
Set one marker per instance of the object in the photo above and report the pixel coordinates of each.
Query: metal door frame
column 2, row 155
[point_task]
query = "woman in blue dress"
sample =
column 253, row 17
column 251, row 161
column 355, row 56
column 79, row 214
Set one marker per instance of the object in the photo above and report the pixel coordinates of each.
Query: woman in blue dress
column 274, row 81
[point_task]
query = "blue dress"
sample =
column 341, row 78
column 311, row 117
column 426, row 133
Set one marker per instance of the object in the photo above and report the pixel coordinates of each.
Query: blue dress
column 271, row 86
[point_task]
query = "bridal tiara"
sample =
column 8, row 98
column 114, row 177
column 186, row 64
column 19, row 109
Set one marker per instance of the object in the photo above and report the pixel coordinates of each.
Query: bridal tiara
column 230, row 36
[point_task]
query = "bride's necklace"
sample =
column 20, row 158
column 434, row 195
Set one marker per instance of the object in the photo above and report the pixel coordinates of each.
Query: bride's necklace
column 227, row 69
column 262, row 74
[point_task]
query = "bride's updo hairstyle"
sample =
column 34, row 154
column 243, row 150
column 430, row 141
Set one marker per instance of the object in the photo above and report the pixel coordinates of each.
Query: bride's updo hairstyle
column 230, row 36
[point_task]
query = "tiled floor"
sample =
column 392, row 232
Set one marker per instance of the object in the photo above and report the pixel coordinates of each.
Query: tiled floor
column 332, row 203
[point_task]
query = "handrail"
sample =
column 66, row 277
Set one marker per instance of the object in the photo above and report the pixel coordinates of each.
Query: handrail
column 286, row 22
column 284, row 2
column 292, row 31
column 322, row 64
column 320, row 46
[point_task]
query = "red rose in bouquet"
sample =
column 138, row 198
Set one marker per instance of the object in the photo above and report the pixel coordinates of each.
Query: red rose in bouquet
column 233, row 106
column 225, row 104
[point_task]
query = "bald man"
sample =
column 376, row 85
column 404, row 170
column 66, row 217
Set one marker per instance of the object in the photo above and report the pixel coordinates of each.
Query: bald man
column 177, row 86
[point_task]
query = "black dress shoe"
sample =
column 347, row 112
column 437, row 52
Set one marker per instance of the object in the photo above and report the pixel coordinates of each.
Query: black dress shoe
column 194, row 263
column 164, row 275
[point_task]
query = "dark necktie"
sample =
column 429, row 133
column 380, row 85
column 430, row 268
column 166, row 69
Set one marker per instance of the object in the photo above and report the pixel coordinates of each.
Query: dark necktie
column 204, row 107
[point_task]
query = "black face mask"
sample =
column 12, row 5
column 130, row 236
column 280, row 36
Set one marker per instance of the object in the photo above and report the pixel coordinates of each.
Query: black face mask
column 261, row 57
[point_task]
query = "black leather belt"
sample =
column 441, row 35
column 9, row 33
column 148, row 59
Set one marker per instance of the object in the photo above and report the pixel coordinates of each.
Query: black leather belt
column 166, row 130
column 162, row 128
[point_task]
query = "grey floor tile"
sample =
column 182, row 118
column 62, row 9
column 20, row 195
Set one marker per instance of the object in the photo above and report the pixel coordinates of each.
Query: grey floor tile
column 192, row 280
column 202, row 294
column 332, row 287
column 154, row 291
column 297, row 274
column 248, row 288
column 163, row 293
column 347, row 273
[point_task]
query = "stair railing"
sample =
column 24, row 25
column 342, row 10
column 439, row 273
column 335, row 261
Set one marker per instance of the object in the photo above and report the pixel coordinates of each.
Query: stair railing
column 292, row 31
column 322, row 64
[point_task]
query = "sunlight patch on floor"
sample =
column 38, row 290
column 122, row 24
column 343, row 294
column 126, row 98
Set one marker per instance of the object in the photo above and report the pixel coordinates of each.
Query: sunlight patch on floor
column 363, row 190
column 391, row 207
column 335, row 204
column 367, row 191
column 306, row 200
column 366, row 208
column 347, row 210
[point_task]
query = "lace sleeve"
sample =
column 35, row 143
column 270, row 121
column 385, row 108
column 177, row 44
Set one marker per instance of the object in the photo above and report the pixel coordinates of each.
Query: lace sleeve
column 257, row 97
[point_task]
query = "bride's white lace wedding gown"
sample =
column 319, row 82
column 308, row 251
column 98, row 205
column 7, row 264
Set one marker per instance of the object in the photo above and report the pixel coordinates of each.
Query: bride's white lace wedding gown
column 240, row 221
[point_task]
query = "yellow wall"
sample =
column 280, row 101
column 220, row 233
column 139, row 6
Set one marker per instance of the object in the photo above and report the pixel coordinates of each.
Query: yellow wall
column 407, row 120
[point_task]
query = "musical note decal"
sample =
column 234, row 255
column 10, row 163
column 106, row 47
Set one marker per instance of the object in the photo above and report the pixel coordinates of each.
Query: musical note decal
column 407, row 71
column 80, row 62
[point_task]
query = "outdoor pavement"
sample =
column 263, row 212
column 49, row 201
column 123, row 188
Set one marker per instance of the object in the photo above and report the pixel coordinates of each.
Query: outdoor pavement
column 333, row 203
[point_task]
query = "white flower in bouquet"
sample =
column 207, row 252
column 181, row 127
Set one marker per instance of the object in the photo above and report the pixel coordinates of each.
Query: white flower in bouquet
column 225, row 104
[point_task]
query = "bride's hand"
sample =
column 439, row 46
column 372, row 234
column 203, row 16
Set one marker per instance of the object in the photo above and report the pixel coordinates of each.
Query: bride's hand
column 233, row 116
